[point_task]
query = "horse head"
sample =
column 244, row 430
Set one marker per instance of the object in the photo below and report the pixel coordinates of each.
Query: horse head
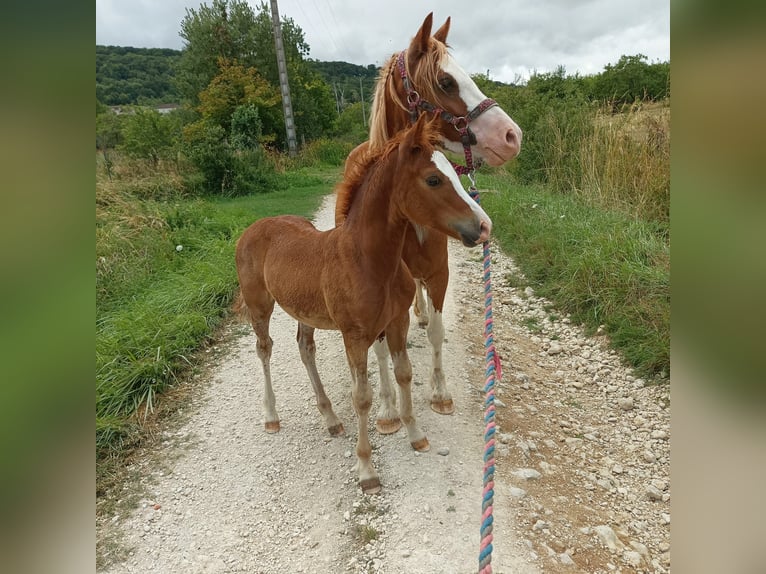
column 428, row 191
column 426, row 78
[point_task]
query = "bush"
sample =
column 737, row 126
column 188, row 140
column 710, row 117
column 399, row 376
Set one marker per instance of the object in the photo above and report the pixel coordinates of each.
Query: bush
column 149, row 135
column 351, row 124
column 576, row 145
column 226, row 170
column 324, row 152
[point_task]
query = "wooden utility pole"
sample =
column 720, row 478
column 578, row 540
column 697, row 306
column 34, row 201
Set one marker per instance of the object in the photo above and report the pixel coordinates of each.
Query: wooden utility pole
column 287, row 106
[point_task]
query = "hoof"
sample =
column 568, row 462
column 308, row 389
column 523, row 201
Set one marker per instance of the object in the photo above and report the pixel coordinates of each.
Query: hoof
column 271, row 427
column 443, row 407
column 421, row 445
column 337, row 430
column 388, row 426
column 370, row 485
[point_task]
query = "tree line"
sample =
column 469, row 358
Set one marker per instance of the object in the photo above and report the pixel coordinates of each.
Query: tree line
column 139, row 76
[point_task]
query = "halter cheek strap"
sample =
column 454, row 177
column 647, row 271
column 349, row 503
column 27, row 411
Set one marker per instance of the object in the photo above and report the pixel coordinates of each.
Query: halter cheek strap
column 460, row 123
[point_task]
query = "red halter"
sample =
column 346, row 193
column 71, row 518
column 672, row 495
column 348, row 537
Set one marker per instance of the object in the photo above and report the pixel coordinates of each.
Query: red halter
column 460, row 123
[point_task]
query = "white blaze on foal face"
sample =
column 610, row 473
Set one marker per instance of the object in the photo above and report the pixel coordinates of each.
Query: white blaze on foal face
column 444, row 166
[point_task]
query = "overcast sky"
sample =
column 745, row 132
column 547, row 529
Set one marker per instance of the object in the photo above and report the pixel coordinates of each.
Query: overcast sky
column 508, row 38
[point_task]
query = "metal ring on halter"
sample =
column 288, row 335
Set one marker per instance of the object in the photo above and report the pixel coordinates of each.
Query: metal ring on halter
column 413, row 98
column 471, row 178
column 456, row 122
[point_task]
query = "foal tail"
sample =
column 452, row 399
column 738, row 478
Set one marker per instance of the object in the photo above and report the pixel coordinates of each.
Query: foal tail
column 240, row 308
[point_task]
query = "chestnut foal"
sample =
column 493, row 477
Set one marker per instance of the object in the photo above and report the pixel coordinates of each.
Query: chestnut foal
column 424, row 78
column 352, row 278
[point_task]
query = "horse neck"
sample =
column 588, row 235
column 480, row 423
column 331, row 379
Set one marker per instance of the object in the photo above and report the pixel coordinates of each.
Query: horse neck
column 376, row 222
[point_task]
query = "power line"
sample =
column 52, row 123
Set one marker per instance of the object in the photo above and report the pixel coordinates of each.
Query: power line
column 337, row 26
column 326, row 27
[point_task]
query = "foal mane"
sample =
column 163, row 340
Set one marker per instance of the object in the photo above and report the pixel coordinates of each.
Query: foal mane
column 424, row 80
column 369, row 164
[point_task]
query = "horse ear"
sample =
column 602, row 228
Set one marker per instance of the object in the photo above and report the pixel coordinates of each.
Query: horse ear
column 441, row 33
column 419, row 43
column 415, row 136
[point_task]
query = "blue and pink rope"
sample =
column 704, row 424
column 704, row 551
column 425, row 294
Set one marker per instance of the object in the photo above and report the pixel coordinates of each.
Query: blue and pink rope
column 493, row 373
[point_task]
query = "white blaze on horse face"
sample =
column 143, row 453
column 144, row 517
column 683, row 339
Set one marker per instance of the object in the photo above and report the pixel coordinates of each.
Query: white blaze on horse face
column 444, row 166
column 498, row 138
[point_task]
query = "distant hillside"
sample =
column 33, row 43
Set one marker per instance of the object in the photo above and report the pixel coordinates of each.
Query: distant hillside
column 344, row 80
column 127, row 75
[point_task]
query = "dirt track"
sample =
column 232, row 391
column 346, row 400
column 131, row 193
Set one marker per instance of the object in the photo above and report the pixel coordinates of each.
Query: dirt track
column 217, row 494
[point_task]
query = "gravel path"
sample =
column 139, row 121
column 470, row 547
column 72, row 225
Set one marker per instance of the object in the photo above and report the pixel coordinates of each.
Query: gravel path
column 583, row 484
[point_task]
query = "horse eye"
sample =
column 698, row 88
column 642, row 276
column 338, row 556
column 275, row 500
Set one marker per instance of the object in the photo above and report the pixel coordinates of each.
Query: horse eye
column 433, row 181
column 446, row 83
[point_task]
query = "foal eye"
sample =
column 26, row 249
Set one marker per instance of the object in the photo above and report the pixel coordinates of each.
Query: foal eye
column 433, row 181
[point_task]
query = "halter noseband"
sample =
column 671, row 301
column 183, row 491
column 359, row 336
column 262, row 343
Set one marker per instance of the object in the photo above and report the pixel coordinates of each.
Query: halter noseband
column 460, row 123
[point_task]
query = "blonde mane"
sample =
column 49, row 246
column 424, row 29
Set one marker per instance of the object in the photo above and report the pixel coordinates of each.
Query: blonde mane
column 424, row 80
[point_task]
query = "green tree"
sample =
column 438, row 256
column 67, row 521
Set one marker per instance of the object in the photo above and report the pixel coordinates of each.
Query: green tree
column 147, row 134
column 225, row 144
column 246, row 127
column 632, row 78
column 229, row 29
column 225, row 30
column 351, row 126
column 235, row 86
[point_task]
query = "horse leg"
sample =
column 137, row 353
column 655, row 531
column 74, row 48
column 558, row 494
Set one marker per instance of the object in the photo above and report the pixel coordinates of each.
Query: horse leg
column 387, row 421
column 259, row 319
column 441, row 399
column 361, row 395
column 396, row 333
column 308, row 355
column 420, row 308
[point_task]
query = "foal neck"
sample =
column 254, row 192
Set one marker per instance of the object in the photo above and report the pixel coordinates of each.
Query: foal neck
column 374, row 220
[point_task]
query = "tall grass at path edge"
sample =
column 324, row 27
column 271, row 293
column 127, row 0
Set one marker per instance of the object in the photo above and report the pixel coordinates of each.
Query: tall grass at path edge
column 163, row 288
column 602, row 267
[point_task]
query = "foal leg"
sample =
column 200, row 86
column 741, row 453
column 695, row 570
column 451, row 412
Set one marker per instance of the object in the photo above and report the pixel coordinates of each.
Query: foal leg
column 361, row 395
column 308, row 354
column 259, row 319
column 396, row 333
column 420, row 308
column 387, row 421
column 441, row 399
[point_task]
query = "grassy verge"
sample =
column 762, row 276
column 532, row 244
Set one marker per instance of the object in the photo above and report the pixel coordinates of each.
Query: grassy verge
column 602, row 267
column 165, row 278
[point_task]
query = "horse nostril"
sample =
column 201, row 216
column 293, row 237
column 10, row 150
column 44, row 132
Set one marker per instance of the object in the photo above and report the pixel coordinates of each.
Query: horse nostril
column 511, row 137
column 485, row 229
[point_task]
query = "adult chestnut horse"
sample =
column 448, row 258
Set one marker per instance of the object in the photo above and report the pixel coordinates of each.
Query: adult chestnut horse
column 425, row 78
column 352, row 278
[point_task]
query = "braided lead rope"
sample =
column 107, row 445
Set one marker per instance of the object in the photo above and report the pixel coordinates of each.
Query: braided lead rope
column 493, row 373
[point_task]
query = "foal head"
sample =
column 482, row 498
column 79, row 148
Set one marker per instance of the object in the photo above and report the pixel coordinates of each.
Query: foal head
column 437, row 83
column 427, row 190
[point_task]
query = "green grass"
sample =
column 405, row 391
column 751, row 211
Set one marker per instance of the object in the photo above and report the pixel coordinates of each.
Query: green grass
column 156, row 305
column 602, row 267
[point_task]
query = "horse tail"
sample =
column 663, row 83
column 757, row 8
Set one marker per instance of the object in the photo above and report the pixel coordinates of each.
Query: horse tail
column 241, row 309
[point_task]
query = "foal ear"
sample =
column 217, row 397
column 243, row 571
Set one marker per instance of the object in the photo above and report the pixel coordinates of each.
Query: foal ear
column 419, row 43
column 416, row 135
column 441, row 33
